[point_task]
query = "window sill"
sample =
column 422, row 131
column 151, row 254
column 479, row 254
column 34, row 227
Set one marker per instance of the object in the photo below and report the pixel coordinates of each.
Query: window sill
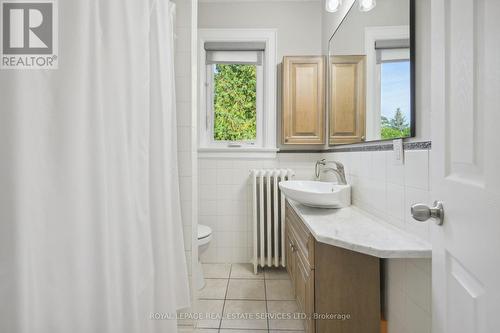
column 237, row 152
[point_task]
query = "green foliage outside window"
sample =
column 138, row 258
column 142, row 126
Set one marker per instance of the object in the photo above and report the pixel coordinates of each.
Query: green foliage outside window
column 397, row 127
column 235, row 102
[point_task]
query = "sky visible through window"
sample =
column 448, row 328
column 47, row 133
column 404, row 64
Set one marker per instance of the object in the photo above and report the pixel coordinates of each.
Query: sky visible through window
column 395, row 89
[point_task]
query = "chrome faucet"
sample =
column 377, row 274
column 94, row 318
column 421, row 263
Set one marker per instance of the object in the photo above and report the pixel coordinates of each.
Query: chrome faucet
column 338, row 171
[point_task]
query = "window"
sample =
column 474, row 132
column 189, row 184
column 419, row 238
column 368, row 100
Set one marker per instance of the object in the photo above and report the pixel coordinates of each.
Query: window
column 388, row 82
column 238, row 105
column 234, row 93
column 394, row 85
column 234, row 101
column 395, row 99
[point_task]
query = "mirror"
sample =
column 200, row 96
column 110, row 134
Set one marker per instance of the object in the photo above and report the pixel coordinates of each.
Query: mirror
column 371, row 74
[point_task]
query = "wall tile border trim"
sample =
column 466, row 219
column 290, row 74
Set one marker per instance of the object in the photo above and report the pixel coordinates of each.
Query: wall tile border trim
column 421, row 145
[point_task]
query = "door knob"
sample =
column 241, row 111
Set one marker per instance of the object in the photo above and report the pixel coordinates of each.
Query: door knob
column 421, row 212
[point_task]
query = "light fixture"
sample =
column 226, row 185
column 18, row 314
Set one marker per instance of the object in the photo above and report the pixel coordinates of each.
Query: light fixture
column 332, row 6
column 367, row 5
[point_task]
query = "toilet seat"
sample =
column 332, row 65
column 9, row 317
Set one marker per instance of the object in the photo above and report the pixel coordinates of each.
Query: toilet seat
column 204, row 231
column 204, row 238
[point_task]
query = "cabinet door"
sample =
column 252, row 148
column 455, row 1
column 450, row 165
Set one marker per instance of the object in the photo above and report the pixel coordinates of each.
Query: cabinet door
column 303, row 239
column 290, row 255
column 303, row 117
column 347, row 99
column 304, row 290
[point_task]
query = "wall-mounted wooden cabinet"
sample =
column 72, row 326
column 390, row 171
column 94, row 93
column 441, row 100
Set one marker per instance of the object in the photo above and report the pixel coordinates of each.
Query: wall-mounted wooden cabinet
column 303, row 113
column 347, row 99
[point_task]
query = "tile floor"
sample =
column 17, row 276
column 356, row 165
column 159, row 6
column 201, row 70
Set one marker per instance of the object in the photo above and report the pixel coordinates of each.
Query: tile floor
column 238, row 301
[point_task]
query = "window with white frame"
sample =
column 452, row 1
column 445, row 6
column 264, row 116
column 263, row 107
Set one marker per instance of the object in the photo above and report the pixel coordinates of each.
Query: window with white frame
column 234, row 93
column 393, row 85
column 388, row 82
column 237, row 108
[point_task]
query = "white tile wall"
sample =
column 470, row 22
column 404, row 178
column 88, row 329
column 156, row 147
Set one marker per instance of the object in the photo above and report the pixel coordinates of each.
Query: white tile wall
column 224, row 196
column 387, row 191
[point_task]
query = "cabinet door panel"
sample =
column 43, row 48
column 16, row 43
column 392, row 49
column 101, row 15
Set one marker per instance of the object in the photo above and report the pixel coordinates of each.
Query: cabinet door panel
column 304, row 289
column 303, row 100
column 304, row 240
column 347, row 99
column 290, row 256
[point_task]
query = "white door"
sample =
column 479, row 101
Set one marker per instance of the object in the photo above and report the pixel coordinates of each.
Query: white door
column 465, row 165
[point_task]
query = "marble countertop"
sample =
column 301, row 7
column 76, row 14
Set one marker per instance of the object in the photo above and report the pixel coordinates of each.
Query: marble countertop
column 353, row 229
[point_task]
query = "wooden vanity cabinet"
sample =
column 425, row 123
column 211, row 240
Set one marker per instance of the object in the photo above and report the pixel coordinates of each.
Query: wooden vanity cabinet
column 300, row 263
column 329, row 280
column 303, row 106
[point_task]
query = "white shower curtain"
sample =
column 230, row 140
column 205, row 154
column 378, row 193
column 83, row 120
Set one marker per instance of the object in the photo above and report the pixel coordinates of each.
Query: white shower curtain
column 90, row 227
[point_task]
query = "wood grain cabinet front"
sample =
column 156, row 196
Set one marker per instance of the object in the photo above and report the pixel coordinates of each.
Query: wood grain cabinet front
column 289, row 253
column 304, row 290
column 347, row 100
column 337, row 289
column 303, row 107
column 301, row 272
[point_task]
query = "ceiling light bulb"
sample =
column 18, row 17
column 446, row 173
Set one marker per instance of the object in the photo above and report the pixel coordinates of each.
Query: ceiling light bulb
column 332, row 5
column 367, row 5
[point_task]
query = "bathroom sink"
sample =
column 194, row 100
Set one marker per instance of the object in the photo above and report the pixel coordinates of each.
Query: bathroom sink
column 317, row 194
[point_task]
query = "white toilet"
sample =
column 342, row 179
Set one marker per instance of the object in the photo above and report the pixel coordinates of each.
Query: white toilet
column 204, row 238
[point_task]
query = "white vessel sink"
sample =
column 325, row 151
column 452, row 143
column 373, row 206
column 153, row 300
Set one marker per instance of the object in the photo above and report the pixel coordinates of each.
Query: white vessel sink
column 317, row 194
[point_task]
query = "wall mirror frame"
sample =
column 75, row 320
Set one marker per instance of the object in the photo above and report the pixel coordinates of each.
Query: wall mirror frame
column 362, row 101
